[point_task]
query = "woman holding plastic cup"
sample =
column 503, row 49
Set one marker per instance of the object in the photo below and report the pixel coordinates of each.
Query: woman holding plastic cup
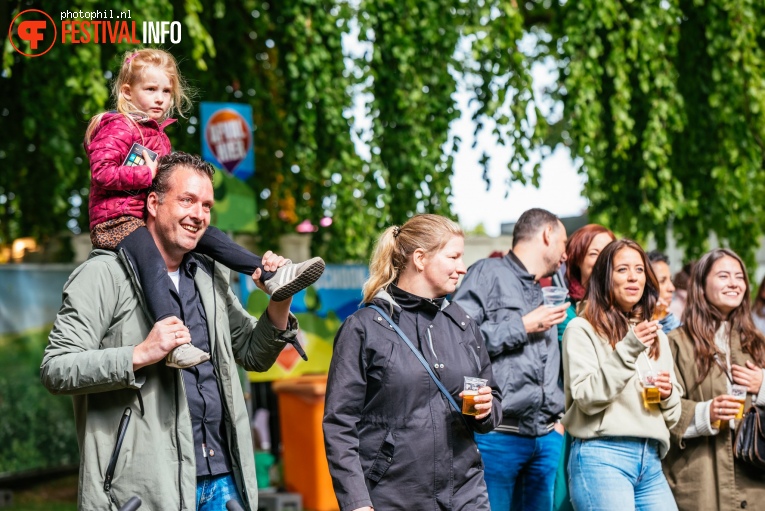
column 612, row 356
column 394, row 441
column 719, row 355
column 582, row 250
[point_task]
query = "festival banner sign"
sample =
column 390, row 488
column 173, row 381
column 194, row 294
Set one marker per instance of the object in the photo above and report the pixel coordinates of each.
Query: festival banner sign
column 227, row 137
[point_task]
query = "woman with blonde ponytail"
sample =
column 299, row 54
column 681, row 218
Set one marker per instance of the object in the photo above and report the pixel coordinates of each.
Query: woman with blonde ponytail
column 393, row 439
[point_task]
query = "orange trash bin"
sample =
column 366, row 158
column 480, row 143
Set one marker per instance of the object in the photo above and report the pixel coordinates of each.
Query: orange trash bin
column 301, row 410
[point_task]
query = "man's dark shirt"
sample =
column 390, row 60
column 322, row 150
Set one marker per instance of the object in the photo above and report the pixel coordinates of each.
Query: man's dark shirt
column 202, row 392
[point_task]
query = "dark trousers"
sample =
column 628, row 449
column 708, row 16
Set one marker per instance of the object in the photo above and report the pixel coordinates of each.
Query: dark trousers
column 157, row 287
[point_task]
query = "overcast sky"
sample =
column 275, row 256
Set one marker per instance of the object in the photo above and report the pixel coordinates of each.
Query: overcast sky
column 560, row 187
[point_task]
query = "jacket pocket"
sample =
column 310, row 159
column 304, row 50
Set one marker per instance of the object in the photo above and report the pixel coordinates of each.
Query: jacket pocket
column 121, row 430
column 383, row 459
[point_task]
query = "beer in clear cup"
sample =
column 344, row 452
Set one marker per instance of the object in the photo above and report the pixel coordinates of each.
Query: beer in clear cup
column 738, row 393
column 651, row 395
column 469, row 393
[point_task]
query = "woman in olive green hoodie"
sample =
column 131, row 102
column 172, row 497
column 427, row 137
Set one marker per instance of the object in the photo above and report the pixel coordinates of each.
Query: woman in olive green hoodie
column 608, row 354
column 717, row 346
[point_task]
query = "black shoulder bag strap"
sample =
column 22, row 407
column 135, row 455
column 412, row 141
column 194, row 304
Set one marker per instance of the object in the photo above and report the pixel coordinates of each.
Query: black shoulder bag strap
column 419, row 357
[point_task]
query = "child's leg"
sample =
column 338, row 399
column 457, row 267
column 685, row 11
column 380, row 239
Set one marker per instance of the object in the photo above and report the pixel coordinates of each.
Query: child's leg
column 152, row 274
column 216, row 244
column 286, row 281
column 157, row 288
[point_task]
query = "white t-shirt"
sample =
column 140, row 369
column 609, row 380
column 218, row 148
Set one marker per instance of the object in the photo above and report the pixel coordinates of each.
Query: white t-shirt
column 175, row 276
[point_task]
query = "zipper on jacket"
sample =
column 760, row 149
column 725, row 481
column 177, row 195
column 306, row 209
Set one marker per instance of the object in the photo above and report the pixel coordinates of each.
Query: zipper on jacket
column 140, row 402
column 178, row 376
column 124, row 421
column 433, row 351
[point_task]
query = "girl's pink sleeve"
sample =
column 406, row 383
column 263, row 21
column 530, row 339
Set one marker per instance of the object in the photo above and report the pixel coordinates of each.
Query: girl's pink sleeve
column 107, row 151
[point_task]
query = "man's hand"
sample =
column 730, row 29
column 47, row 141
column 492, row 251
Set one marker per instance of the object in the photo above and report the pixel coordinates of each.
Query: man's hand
column 543, row 318
column 278, row 312
column 271, row 262
column 163, row 338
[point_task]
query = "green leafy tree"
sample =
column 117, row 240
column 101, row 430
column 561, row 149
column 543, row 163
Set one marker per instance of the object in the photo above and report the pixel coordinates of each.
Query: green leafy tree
column 664, row 106
column 286, row 60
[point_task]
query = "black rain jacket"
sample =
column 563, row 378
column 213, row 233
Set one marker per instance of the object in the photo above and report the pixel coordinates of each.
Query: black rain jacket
column 393, row 440
column 497, row 293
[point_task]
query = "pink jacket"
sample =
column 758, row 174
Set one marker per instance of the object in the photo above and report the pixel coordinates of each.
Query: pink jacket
column 116, row 190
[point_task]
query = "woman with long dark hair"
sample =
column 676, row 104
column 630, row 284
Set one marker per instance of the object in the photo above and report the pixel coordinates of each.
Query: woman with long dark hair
column 717, row 346
column 620, row 400
column 582, row 250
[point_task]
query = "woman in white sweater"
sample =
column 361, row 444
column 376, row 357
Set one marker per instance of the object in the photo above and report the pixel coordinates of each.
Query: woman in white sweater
column 610, row 355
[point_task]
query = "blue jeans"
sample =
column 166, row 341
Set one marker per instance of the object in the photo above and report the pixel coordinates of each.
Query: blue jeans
column 520, row 470
column 214, row 491
column 618, row 473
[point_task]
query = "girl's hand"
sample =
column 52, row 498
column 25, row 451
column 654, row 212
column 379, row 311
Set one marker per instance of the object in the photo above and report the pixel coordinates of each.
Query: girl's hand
column 664, row 384
column 723, row 408
column 750, row 376
column 483, row 402
column 365, row 508
column 152, row 164
column 646, row 332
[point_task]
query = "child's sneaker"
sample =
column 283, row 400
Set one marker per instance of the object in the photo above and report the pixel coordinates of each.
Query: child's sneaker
column 185, row 356
column 291, row 278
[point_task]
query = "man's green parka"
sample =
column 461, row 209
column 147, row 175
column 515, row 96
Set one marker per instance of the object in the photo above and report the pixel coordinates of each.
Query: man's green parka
column 134, row 428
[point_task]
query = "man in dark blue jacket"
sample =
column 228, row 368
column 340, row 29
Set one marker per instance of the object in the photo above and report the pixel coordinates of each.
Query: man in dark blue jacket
column 504, row 296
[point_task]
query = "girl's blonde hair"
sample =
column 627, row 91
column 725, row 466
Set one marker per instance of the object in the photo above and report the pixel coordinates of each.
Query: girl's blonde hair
column 396, row 245
column 134, row 65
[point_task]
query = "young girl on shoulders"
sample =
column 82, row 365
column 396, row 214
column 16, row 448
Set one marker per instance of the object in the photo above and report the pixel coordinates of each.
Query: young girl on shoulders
column 149, row 90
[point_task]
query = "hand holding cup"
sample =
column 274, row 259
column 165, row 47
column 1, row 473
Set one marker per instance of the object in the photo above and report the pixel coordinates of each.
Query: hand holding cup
column 476, row 398
column 664, row 384
column 482, row 402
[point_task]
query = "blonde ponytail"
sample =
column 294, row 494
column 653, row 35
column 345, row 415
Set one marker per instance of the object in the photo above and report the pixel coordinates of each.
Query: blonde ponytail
column 381, row 266
column 396, row 245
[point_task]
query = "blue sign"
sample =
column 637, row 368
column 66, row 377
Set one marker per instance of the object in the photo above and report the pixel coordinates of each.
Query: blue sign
column 227, row 140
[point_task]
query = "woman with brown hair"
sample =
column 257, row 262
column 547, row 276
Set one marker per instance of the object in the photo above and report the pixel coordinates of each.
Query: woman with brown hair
column 620, row 400
column 717, row 346
column 582, row 250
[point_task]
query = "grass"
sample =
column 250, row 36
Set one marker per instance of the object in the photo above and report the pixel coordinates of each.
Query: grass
column 53, row 495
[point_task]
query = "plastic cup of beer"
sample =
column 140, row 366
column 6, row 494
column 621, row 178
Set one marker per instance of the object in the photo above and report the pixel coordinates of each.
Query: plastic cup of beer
column 554, row 295
column 738, row 393
column 469, row 393
column 651, row 395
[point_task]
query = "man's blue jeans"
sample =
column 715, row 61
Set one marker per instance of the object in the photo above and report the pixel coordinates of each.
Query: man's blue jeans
column 213, row 492
column 520, row 470
column 618, row 473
